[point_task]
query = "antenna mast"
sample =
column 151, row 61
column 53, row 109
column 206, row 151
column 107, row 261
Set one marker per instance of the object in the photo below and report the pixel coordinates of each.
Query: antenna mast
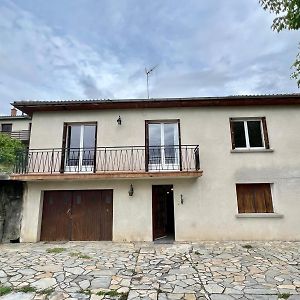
column 148, row 72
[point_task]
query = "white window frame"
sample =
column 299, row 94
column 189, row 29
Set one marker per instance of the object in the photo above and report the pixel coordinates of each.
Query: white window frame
column 80, row 168
column 248, row 147
column 163, row 166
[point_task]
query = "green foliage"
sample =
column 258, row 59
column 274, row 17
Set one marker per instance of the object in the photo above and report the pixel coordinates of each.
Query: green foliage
column 56, row 250
column 287, row 12
column 287, row 17
column 284, row 296
column 296, row 68
column 113, row 293
column 27, row 289
column 4, row 290
column 9, row 148
column 79, row 255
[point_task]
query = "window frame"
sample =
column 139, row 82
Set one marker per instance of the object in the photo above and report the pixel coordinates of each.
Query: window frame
column 263, row 130
column 6, row 124
column 161, row 121
column 64, row 168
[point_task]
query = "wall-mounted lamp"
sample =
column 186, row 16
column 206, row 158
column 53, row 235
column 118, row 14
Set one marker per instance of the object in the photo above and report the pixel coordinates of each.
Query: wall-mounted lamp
column 130, row 192
column 119, row 121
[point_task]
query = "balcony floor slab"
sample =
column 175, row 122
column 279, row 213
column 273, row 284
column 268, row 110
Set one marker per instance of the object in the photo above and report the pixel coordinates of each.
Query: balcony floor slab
column 105, row 175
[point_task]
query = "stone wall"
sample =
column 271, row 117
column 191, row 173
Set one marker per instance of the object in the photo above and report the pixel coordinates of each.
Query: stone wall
column 11, row 195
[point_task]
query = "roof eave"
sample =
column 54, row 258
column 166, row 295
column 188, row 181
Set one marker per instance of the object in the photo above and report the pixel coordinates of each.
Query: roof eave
column 29, row 107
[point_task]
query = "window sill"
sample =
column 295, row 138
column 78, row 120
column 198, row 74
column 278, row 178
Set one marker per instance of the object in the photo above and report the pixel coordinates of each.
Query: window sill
column 251, row 150
column 259, row 215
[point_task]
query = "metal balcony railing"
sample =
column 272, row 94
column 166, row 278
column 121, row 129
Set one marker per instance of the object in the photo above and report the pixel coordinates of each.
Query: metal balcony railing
column 22, row 135
column 109, row 159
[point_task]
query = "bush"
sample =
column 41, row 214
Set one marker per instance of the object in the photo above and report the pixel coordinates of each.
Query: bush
column 9, row 148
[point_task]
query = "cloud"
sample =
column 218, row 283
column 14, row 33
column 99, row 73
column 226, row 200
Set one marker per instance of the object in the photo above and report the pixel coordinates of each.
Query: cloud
column 36, row 62
column 98, row 49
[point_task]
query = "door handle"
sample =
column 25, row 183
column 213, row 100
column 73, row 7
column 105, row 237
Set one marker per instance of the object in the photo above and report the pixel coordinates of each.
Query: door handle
column 69, row 212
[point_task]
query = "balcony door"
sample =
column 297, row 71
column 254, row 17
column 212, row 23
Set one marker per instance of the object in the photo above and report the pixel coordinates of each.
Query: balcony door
column 163, row 146
column 80, row 148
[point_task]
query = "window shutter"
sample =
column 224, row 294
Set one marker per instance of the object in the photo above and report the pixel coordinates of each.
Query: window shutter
column 63, row 149
column 266, row 137
column 232, row 133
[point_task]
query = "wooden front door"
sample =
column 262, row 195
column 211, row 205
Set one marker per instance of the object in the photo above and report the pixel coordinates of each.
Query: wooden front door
column 77, row 215
column 162, row 211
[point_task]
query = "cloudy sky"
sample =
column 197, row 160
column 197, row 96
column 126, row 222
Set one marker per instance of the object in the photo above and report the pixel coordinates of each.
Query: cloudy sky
column 74, row 49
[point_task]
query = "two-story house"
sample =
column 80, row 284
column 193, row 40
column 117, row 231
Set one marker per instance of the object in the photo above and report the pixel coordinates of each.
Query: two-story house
column 212, row 168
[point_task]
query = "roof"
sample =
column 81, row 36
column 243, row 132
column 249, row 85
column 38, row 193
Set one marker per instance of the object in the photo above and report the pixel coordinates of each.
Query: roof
column 29, row 106
column 15, row 117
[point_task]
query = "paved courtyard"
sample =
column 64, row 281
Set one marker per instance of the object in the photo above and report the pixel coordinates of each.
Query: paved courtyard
column 104, row 270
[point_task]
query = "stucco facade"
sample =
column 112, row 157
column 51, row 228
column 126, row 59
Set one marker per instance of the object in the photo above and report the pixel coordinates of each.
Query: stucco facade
column 18, row 123
column 205, row 208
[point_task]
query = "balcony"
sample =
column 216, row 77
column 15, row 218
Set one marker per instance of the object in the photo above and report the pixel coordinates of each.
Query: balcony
column 108, row 162
column 22, row 135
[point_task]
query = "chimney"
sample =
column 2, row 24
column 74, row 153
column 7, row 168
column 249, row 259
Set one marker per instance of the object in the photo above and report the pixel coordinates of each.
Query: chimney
column 13, row 112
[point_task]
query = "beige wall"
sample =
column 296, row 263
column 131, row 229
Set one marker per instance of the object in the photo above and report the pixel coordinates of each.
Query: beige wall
column 17, row 124
column 209, row 209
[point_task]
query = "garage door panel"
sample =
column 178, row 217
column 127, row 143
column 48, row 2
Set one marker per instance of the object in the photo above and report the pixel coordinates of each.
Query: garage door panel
column 56, row 225
column 86, row 216
column 107, row 215
column 78, row 215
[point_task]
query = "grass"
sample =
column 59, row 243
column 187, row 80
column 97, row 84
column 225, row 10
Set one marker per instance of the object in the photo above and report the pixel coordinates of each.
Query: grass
column 4, row 290
column 79, row 255
column 247, row 246
column 27, row 289
column 56, row 250
column 124, row 296
column 113, row 293
column 284, row 296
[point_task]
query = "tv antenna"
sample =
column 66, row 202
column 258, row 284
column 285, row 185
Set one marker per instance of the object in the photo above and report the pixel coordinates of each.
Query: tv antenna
column 148, row 72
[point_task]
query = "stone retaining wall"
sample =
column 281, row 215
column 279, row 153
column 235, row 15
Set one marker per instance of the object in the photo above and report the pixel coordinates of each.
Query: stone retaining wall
column 11, row 200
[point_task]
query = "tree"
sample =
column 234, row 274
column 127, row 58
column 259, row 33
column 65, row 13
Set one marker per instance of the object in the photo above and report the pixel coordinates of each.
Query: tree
column 287, row 17
column 9, row 148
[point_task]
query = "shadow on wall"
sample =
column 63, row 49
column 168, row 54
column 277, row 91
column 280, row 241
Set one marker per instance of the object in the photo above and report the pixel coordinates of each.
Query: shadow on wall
column 11, row 195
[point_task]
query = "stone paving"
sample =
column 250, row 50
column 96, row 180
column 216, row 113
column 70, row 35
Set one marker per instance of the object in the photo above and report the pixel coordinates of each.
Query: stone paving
column 189, row 271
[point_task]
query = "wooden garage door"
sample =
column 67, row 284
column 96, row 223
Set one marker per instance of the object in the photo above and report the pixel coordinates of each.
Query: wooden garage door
column 77, row 215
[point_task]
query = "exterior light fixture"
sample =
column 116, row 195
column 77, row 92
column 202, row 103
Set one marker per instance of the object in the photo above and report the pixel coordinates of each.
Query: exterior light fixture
column 119, row 121
column 181, row 199
column 130, row 192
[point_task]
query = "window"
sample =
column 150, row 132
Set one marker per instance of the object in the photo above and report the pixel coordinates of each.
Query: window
column 249, row 133
column 80, row 143
column 6, row 127
column 162, row 143
column 254, row 198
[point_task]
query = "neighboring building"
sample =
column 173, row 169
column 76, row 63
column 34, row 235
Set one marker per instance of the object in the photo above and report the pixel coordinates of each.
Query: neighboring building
column 16, row 126
column 130, row 170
